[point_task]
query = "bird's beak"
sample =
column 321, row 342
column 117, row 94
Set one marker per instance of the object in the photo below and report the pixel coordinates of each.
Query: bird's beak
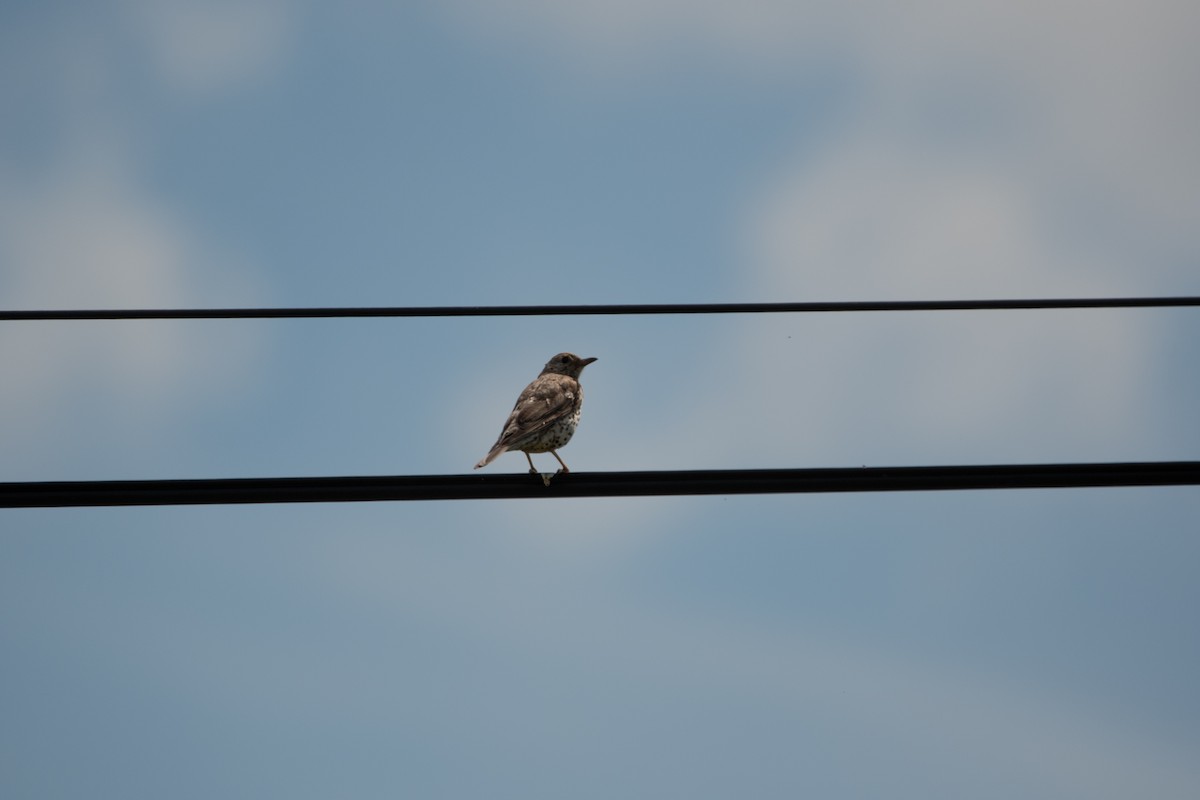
column 583, row 362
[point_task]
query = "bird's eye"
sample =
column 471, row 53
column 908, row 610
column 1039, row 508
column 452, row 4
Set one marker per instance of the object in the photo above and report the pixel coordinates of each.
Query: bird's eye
column 565, row 359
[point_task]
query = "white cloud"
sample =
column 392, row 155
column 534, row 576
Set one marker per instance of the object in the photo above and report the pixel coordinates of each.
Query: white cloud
column 868, row 222
column 90, row 238
column 1099, row 93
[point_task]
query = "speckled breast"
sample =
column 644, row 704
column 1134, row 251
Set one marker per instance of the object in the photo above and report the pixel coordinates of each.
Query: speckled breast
column 556, row 435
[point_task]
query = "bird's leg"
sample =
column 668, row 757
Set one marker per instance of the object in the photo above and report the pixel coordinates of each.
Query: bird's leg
column 532, row 470
column 564, row 464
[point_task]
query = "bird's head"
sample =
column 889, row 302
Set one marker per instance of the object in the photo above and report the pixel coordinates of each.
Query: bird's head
column 567, row 364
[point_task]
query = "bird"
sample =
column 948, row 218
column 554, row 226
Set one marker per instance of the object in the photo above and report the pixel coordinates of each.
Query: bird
column 546, row 413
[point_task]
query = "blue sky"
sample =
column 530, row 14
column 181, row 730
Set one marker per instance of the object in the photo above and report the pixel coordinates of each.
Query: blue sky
column 185, row 153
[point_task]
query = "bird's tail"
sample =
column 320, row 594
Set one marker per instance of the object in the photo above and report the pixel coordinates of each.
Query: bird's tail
column 491, row 456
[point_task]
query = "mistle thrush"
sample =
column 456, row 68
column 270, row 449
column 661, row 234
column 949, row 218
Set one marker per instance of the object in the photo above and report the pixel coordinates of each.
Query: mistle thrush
column 546, row 413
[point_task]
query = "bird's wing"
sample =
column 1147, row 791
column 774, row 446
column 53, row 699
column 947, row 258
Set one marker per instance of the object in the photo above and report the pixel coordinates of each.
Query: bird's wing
column 543, row 403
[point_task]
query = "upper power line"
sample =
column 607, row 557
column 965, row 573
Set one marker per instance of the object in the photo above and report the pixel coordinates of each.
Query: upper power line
column 600, row 309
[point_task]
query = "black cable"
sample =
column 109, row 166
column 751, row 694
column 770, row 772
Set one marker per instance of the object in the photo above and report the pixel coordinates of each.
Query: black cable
column 594, row 484
column 640, row 308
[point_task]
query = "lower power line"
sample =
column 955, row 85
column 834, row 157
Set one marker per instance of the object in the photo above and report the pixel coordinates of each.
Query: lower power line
column 594, row 484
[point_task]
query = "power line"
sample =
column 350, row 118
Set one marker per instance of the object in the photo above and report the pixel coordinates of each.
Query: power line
column 609, row 309
column 594, row 484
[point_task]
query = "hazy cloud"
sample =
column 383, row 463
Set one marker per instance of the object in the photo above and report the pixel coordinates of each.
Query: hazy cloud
column 989, row 150
column 80, row 227
column 208, row 46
